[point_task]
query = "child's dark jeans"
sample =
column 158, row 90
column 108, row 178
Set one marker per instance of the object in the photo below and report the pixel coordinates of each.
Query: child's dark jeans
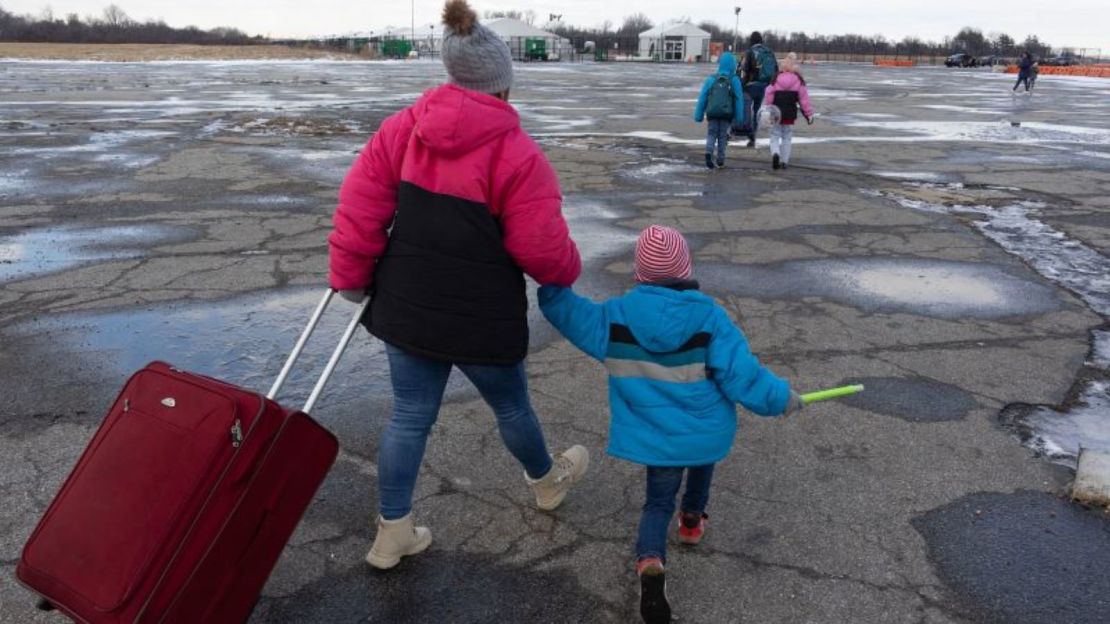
column 662, row 488
column 717, row 136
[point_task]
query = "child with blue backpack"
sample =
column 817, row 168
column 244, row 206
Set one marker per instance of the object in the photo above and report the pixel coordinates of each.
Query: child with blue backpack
column 721, row 103
column 677, row 367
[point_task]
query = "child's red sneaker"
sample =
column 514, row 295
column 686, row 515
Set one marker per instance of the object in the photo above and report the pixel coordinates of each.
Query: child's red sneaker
column 691, row 527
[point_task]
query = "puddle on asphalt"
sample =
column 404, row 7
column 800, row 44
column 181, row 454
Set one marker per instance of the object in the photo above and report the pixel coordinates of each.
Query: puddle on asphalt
column 1022, row 558
column 934, row 288
column 103, row 143
column 867, row 116
column 533, row 119
column 591, row 226
column 1100, row 349
column 842, row 163
column 1050, row 136
column 837, row 94
column 1051, row 433
column 914, row 400
column 554, row 122
column 12, row 182
column 47, row 250
column 958, row 109
column 662, row 171
column 1058, row 258
column 243, row 340
column 314, row 159
column 990, row 131
column 923, row 176
column 283, row 201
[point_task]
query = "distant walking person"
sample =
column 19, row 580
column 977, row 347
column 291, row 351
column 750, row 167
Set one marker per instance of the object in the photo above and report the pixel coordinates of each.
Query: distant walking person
column 721, row 104
column 787, row 93
column 759, row 68
column 1025, row 71
column 440, row 217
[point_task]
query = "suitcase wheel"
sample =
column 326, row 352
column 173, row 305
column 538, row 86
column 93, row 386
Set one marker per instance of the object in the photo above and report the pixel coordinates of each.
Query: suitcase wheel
column 44, row 605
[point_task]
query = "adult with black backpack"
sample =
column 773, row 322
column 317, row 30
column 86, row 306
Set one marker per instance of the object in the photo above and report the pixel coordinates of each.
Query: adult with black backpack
column 721, row 104
column 758, row 70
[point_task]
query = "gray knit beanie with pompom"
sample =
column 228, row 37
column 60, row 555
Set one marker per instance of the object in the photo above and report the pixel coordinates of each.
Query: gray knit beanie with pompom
column 476, row 58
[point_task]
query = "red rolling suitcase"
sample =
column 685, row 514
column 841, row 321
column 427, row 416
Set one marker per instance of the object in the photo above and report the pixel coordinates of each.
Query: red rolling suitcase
column 182, row 502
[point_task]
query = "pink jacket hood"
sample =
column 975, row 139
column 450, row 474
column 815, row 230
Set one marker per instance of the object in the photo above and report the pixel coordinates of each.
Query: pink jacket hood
column 787, row 81
column 451, row 120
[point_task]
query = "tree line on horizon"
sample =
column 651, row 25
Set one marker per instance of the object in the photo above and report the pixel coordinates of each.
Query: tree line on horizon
column 969, row 40
column 113, row 25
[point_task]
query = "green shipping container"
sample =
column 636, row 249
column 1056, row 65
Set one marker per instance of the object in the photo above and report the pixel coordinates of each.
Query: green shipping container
column 396, row 48
column 535, row 49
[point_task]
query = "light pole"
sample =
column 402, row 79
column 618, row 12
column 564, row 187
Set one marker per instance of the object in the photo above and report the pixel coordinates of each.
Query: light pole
column 736, row 32
column 412, row 24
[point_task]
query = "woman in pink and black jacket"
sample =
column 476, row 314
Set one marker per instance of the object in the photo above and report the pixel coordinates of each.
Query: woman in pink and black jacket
column 439, row 218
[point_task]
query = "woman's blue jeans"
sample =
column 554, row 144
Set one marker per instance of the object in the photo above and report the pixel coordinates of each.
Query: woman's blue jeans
column 418, row 386
column 662, row 488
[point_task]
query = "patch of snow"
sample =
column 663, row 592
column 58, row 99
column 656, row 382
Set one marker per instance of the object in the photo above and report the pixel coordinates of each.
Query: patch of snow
column 1059, row 435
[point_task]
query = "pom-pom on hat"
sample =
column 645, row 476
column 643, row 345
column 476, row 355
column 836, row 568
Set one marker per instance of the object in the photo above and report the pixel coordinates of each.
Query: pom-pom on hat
column 662, row 255
column 476, row 58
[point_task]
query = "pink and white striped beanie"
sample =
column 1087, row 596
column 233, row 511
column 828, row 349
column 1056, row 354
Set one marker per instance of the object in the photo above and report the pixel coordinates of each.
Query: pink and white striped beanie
column 662, row 254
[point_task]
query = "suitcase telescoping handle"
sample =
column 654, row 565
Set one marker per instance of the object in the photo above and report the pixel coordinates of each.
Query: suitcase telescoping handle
column 313, row 321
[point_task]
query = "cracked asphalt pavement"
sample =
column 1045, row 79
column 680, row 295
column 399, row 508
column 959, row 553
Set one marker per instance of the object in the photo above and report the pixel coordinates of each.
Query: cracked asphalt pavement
column 178, row 211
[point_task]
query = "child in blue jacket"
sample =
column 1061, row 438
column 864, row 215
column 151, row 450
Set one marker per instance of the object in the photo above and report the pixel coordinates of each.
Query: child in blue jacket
column 677, row 366
column 721, row 101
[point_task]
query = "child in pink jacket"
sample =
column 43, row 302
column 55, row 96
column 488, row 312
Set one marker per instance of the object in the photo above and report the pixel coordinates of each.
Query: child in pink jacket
column 787, row 92
column 447, row 208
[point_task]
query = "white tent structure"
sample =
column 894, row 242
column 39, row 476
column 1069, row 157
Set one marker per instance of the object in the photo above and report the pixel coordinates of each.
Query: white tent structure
column 675, row 42
column 525, row 42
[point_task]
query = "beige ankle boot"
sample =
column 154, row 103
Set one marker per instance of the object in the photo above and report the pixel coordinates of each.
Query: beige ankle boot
column 395, row 539
column 567, row 468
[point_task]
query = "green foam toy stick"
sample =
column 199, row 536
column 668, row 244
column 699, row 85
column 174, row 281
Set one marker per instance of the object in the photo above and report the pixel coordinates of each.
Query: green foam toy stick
column 831, row 393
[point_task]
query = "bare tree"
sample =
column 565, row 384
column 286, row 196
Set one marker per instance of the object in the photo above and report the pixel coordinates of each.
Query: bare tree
column 1004, row 44
column 1035, row 46
column 517, row 15
column 635, row 24
column 115, row 17
column 913, row 46
column 713, row 28
column 971, row 41
column 114, row 26
column 530, row 17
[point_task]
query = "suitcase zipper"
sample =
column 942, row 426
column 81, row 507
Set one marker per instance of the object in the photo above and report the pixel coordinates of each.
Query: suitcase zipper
column 158, row 585
column 236, row 431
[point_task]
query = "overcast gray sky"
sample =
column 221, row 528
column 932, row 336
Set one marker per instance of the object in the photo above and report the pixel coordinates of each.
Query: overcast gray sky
column 1078, row 23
